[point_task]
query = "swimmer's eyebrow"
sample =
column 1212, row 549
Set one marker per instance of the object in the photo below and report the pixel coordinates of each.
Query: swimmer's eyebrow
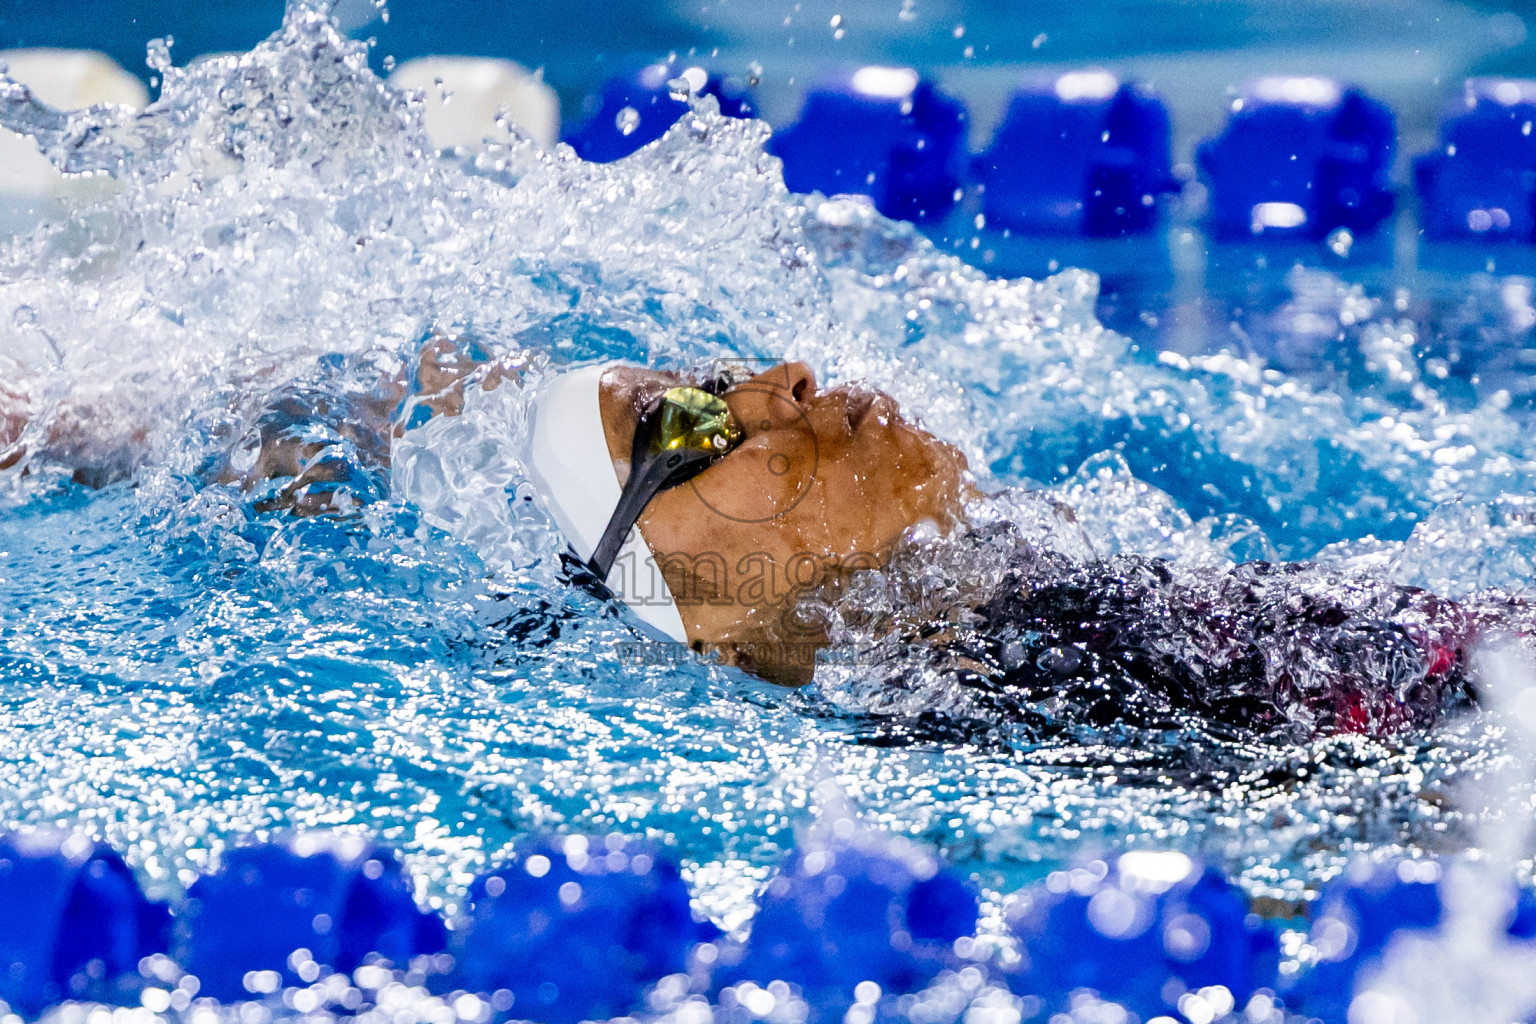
column 638, row 388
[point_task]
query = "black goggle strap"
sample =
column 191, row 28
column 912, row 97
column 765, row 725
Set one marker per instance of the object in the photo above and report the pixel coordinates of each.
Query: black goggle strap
column 653, row 468
column 644, row 483
column 724, row 375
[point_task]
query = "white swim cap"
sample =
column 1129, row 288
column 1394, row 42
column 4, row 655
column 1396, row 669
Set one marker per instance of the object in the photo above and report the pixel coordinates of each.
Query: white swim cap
column 570, row 464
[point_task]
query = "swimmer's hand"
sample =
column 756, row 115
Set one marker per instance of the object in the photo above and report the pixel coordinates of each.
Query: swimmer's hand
column 15, row 411
column 447, row 367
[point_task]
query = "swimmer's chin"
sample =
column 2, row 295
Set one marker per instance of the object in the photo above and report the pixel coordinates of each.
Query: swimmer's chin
column 790, row 664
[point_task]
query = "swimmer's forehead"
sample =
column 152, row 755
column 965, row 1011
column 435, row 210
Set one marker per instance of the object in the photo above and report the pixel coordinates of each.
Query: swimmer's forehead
column 644, row 382
column 641, row 383
column 625, row 392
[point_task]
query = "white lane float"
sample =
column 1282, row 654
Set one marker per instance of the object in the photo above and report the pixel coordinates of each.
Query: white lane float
column 30, row 187
column 465, row 95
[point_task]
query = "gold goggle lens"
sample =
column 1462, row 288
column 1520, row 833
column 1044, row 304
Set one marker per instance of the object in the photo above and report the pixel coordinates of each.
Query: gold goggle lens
column 694, row 420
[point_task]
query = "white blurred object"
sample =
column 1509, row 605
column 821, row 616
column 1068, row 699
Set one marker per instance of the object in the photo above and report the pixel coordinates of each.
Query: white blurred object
column 64, row 80
column 464, row 95
column 352, row 15
column 1469, row 970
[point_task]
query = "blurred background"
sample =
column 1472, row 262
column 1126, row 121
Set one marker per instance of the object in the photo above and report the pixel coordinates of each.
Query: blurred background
column 1410, row 53
column 1178, row 286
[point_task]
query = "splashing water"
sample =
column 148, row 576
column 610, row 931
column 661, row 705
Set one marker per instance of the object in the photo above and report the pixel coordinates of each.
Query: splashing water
column 1469, row 970
column 181, row 669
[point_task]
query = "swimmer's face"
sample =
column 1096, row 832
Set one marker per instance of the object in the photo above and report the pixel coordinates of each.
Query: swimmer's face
column 823, row 482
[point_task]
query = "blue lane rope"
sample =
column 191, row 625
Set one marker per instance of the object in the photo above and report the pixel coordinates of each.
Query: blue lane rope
column 1084, row 154
column 578, row 928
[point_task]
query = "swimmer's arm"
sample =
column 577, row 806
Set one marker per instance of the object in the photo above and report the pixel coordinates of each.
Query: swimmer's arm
column 435, row 386
column 76, row 433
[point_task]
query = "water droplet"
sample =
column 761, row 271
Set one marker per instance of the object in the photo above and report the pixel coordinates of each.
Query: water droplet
column 158, row 53
column 627, row 121
column 679, row 89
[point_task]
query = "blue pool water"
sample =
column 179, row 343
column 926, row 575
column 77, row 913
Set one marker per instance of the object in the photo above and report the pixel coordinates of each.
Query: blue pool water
column 181, row 671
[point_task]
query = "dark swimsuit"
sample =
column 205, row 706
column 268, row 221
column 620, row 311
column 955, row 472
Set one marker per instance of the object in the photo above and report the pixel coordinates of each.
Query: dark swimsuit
column 1298, row 649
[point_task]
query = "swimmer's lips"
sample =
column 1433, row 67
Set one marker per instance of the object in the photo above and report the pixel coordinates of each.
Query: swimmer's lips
column 856, row 407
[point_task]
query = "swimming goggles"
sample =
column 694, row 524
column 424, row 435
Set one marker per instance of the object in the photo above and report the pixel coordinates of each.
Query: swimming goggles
column 680, row 434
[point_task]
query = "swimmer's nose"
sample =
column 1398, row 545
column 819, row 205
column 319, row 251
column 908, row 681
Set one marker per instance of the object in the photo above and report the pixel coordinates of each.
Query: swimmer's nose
column 774, row 398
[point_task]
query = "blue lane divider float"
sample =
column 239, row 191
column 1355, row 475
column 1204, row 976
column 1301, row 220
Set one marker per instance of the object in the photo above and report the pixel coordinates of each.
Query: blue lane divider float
column 575, row 928
column 73, row 922
column 1481, row 181
column 865, row 907
column 1357, row 916
column 339, row 897
column 1143, row 932
column 1081, row 153
column 633, row 109
column 1300, row 157
column 884, row 132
